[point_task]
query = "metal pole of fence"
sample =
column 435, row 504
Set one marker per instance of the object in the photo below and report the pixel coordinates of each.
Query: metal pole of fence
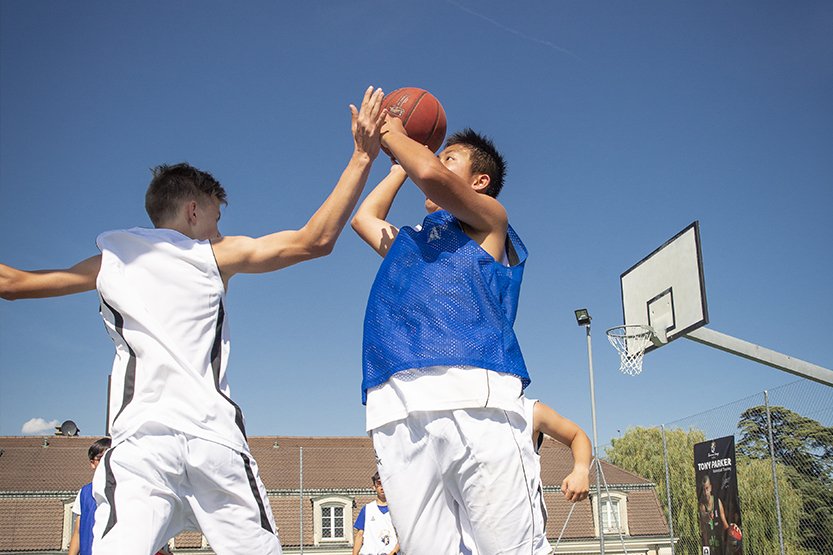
column 774, row 473
column 301, row 495
column 668, row 490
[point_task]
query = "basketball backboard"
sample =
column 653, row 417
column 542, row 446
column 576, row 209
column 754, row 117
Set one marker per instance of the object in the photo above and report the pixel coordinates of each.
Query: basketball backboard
column 665, row 290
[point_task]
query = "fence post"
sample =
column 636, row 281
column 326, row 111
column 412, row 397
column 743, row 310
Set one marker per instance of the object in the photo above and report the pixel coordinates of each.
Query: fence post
column 301, row 496
column 774, row 473
column 668, row 490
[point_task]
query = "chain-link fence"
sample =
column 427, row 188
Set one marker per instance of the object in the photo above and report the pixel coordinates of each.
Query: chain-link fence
column 784, row 463
column 317, row 486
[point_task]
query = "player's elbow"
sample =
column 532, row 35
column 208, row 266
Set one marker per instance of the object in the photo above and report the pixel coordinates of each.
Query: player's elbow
column 9, row 289
column 322, row 246
column 428, row 173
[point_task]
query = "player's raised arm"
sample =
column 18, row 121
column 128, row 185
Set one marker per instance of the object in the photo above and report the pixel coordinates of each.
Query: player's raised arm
column 458, row 194
column 370, row 219
column 37, row 284
column 318, row 236
column 576, row 485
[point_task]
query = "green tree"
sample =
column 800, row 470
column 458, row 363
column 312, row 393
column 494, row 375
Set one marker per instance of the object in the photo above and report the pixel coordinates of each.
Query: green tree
column 805, row 448
column 758, row 509
column 640, row 451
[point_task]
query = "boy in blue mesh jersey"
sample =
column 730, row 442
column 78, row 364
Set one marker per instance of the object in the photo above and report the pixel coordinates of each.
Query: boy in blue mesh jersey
column 443, row 371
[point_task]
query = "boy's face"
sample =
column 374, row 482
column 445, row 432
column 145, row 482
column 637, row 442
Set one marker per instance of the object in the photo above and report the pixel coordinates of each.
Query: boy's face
column 456, row 159
column 380, row 491
column 94, row 461
column 208, row 216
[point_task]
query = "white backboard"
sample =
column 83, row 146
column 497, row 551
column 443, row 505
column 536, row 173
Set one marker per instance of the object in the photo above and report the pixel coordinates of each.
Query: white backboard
column 665, row 290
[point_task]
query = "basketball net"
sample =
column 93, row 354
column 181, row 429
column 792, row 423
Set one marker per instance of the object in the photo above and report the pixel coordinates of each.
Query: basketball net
column 631, row 342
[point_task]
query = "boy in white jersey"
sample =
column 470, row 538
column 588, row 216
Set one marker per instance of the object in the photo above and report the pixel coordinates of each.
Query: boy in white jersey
column 443, row 372
column 374, row 531
column 180, row 458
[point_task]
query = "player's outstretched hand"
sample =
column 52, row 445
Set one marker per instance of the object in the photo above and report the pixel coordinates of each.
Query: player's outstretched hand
column 367, row 122
column 576, row 485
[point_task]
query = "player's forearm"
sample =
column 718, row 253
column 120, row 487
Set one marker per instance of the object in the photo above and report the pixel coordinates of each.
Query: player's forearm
column 75, row 541
column 582, row 452
column 323, row 228
column 378, row 202
column 419, row 163
column 23, row 284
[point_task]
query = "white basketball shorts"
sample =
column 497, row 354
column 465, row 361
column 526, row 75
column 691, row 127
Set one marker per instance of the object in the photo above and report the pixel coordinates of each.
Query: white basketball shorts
column 160, row 482
column 457, row 477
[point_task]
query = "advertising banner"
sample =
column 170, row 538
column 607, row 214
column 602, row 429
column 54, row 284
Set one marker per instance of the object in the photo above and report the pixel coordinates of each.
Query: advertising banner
column 717, row 497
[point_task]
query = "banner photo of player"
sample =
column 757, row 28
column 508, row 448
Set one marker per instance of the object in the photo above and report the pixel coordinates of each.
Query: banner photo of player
column 717, row 497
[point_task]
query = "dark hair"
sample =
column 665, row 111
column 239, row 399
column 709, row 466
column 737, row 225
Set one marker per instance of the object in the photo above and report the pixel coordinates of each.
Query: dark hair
column 99, row 447
column 485, row 158
column 173, row 184
column 375, row 478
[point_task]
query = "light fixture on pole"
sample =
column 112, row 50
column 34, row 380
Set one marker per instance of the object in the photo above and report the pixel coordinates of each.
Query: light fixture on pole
column 583, row 319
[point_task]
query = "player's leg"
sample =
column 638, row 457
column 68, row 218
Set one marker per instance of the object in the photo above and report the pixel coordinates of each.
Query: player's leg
column 423, row 511
column 135, row 489
column 229, row 500
column 496, row 475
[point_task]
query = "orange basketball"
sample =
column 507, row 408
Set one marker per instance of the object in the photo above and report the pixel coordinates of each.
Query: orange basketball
column 421, row 113
column 735, row 533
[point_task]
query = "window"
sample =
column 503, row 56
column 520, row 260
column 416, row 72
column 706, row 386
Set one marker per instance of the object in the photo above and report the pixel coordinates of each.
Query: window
column 332, row 520
column 614, row 513
column 611, row 517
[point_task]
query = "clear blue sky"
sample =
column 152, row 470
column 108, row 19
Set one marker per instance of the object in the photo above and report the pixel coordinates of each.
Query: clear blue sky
column 622, row 123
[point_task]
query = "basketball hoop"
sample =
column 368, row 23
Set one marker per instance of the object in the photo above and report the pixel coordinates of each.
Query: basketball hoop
column 631, row 342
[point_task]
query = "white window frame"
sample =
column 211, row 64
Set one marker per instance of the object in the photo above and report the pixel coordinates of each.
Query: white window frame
column 66, row 536
column 318, row 505
column 618, row 499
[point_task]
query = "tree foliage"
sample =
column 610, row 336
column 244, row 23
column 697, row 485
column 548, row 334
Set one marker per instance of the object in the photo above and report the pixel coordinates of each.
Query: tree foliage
column 805, row 448
column 640, row 451
column 758, row 508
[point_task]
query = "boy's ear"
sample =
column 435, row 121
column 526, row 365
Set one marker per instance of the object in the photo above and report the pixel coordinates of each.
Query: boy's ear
column 191, row 211
column 481, row 182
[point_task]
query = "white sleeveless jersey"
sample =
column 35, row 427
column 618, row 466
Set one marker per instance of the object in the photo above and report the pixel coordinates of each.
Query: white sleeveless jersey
column 379, row 537
column 162, row 301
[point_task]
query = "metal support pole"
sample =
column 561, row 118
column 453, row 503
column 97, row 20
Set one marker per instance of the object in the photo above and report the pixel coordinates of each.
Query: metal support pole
column 301, row 495
column 668, row 490
column 774, row 473
column 760, row 354
column 595, row 443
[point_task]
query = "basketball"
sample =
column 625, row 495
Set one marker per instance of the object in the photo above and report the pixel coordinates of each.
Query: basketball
column 421, row 113
column 734, row 533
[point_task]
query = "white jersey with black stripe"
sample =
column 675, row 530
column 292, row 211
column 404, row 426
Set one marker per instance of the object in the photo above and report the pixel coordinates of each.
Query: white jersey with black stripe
column 162, row 301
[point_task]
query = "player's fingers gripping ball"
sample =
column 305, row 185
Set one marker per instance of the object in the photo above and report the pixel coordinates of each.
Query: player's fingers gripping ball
column 422, row 115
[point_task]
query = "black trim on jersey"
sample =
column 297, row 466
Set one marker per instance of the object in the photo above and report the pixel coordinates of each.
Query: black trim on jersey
column 264, row 520
column 109, row 492
column 130, row 371
column 216, row 360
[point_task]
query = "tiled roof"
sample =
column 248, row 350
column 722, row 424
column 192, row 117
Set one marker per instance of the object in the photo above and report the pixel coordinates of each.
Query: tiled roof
column 37, row 475
column 27, row 524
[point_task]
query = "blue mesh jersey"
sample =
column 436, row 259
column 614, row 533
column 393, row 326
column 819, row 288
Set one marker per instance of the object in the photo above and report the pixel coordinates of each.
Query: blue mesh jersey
column 439, row 299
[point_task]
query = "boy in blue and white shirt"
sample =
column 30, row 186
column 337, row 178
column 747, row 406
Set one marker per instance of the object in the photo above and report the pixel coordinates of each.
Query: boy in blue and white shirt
column 443, row 370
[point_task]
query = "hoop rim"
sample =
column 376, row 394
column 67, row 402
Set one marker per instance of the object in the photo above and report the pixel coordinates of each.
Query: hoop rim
column 630, row 331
